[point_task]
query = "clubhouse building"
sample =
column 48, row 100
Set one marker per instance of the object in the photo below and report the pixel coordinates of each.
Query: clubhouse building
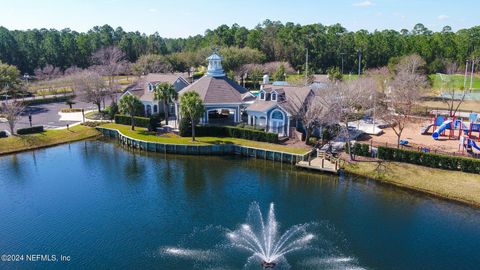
column 274, row 108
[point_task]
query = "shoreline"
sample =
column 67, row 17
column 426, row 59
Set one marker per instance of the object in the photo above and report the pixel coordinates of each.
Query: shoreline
column 403, row 183
column 90, row 133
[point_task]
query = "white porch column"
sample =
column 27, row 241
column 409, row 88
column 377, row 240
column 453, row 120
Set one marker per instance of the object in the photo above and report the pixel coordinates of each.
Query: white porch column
column 176, row 111
column 288, row 126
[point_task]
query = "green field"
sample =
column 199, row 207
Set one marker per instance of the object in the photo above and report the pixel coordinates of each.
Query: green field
column 457, row 81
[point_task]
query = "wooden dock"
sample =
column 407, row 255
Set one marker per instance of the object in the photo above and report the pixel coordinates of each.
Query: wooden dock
column 322, row 162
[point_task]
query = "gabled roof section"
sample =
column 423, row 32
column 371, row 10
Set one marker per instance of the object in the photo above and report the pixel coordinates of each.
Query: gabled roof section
column 217, row 90
column 140, row 87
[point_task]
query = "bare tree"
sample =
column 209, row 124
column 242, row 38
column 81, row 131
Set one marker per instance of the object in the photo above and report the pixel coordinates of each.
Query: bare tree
column 312, row 112
column 348, row 99
column 403, row 93
column 48, row 72
column 272, row 67
column 90, row 86
column 449, row 92
column 72, row 70
column 12, row 112
column 110, row 62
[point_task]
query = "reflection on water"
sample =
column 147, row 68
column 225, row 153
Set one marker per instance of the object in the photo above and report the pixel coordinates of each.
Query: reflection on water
column 111, row 207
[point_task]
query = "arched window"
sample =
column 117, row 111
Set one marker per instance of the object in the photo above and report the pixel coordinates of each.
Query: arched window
column 155, row 108
column 274, row 97
column 262, row 95
column 150, row 87
column 149, row 110
column 277, row 115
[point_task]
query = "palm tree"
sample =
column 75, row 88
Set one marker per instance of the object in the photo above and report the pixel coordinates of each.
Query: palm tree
column 129, row 104
column 166, row 93
column 191, row 107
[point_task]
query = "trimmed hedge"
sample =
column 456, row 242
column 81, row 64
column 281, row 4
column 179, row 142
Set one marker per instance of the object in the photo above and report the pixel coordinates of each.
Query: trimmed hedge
column 30, row 130
column 39, row 101
column 463, row 164
column 235, row 132
column 361, row 149
column 3, row 134
column 227, row 131
column 146, row 122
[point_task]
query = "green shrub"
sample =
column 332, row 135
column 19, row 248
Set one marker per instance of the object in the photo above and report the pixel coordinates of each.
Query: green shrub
column 430, row 160
column 112, row 110
column 30, row 130
column 185, row 127
column 138, row 121
column 3, row 134
column 359, row 149
column 39, row 101
column 68, row 110
column 91, row 124
column 236, row 132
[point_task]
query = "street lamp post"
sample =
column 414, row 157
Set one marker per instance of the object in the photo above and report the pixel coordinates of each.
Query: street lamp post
column 359, row 62
column 342, row 54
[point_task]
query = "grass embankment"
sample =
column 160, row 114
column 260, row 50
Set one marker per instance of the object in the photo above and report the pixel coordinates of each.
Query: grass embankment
column 143, row 134
column 20, row 143
column 453, row 185
column 457, row 80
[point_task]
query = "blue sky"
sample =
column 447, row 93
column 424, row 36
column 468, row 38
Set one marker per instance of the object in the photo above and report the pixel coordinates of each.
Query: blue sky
column 190, row 17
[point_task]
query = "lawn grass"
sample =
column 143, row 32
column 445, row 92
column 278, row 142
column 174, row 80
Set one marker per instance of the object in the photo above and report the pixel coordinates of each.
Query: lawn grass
column 457, row 80
column 20, row 143
column 143, row 134
column 458, row 186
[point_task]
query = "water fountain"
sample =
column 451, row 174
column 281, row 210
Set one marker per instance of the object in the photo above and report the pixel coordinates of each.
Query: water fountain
column 261, row 240
column 261, row 237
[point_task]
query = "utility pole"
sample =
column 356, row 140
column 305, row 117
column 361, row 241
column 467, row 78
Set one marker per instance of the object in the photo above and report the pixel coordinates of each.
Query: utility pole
column 359, row 62
column 471, row 75
column 306, row 68
column 466, row 76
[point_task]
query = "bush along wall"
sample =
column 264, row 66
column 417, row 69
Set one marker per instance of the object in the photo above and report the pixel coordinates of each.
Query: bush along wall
column 235, row 132
column 146, row 122
column 464, row 164
column 30, row 130
column 360, row 149
column 55, row 99
column 3, row 134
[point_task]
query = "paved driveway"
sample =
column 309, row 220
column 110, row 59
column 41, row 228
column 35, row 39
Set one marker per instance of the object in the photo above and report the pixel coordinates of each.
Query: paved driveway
column 47, row 115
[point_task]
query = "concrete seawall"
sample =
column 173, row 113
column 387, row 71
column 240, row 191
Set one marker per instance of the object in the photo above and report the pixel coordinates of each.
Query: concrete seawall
column 220, row 149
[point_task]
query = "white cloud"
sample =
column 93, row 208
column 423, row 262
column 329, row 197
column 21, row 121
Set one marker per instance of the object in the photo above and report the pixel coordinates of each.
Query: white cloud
column 152, row 10
column 443, row 17
column 366, row 3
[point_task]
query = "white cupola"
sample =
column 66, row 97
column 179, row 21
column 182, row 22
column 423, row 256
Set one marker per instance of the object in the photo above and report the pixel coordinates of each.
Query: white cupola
column 215, row 65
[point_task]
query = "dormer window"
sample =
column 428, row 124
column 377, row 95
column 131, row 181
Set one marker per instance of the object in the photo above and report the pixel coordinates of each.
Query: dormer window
column 262, row 95
column 150, row 87
column 274, row 96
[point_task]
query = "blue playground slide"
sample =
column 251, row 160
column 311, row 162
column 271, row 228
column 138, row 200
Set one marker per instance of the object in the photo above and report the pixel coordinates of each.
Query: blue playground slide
column 441, row 129
column 474, row 145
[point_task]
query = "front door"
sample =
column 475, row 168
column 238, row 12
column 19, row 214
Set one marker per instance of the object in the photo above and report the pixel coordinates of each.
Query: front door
column 277, row 126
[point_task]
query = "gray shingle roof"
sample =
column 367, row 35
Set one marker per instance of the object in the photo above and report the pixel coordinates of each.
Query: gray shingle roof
column 295, row 98
column 216, row 90
column 140, row 88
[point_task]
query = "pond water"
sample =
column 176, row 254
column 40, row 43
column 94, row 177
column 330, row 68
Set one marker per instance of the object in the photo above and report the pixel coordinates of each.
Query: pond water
column 111, row 208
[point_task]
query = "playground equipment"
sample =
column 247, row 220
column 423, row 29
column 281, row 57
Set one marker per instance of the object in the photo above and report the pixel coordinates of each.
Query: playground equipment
column 468, row 144
column 442, row 124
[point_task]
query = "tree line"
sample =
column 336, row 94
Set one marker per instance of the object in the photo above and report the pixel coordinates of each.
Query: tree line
column 326, row 45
